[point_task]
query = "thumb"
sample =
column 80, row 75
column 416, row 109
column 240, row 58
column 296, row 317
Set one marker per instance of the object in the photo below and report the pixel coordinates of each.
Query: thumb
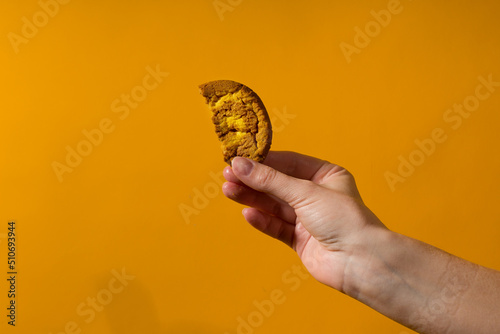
column 268, row 180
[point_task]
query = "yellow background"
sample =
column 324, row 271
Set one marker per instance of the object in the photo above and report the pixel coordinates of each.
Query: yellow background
column 120, row 207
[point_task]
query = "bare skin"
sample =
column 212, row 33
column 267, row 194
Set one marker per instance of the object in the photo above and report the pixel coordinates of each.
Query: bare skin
column 314, row 207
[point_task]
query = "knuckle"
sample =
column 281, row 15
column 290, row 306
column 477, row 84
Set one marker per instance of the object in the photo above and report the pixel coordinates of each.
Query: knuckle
column 349, row 174
column 275, row 209
column 305, row 192
column 267, row 177
column 266, row 225
column 280, row 233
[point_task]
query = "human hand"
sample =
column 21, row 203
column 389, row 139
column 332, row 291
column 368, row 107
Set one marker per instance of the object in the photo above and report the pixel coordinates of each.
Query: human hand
column 310, row 204
column 314, row 207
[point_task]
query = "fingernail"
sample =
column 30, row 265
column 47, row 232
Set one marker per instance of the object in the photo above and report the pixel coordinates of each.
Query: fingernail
column 242, row 166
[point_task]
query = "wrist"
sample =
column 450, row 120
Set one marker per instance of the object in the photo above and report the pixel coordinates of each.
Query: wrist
column 365, row 264
column 381, row 273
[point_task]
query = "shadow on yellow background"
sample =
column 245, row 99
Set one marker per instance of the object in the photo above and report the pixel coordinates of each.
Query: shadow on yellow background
column 109, row 162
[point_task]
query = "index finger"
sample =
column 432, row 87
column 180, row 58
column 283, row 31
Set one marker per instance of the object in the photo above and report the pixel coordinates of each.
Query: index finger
column 295, row 164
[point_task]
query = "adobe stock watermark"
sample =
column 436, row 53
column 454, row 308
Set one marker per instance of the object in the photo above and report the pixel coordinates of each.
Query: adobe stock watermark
column 454, row 118
column 262, row 310
column 223, row 6
column 30, row 27
column 88, row 309
column 439, row 310
column 121, row 107
column 372, row 29
column 201, row 196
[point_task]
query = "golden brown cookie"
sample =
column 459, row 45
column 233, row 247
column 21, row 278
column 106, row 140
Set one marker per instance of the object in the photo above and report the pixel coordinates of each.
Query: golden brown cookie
column 241, row 120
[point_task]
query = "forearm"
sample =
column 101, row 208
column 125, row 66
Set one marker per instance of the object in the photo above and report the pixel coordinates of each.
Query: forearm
column 423, row 287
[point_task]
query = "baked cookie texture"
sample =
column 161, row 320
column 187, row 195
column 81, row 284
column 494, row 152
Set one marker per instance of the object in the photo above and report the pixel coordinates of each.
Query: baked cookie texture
column 241, row 120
